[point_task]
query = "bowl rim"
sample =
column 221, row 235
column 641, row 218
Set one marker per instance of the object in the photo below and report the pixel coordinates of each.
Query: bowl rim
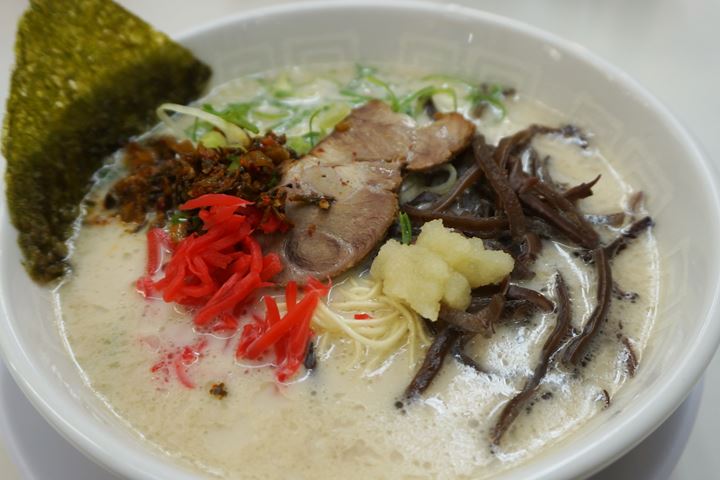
column 103, row 446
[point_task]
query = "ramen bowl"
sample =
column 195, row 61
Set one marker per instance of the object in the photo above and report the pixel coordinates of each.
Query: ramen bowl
column 657, row 154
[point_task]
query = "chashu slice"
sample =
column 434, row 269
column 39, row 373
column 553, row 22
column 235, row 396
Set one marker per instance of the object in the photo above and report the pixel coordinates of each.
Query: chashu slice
column 435, row 144
column 359, row 166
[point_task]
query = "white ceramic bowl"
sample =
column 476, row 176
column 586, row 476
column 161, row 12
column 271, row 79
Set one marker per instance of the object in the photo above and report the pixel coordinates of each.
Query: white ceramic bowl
column 656, row 152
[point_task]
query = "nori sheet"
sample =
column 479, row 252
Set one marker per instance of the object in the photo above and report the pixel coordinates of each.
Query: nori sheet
column 88, row 75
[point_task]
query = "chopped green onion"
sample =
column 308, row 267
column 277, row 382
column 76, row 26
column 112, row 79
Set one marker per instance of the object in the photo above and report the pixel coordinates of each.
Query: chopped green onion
column 282, row 88
column 354, row 96
column 296, row 116
column 312, row 138
column 424, row 93
column 193, row 132
column 326, row 116
column 367, row 74
column 405, row 228
column 234, row 163
column 192, row 222
column 270, row 115
column 178, row 217
column 236, row 113
column 311, row 134
column 494, row 98
column 282, row 93
column 197, row 130
column 394, row 103
column 213, row 139
column 234, row 134
column 300, row 144
column 331, row 115
column 274, row 180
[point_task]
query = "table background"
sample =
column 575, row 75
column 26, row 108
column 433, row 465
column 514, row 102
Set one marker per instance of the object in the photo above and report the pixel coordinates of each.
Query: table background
column 672, row 47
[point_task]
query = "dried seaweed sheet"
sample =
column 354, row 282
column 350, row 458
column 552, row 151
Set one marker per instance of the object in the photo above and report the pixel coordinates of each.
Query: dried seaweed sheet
column 88, row 75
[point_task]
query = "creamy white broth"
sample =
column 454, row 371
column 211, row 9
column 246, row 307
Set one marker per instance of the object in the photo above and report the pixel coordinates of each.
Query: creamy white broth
column 340, row 421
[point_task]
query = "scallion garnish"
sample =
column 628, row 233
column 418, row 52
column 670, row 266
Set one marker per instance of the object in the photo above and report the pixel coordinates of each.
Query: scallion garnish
column 193, row 131
column 295, row 116
column 366, row 74
column 298, row 144
column 178, row 217
column 234, row 163
column 236, row 113
column 354, row 96
column 213, row 139
column 405, row 228
column 391, row 97
column 198, row 129
column 234, row 133
column 492, row 96
column 311, row 133
column 406, row 104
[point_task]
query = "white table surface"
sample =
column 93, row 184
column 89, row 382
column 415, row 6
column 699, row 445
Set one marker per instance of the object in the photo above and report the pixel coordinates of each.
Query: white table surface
column 671, row 46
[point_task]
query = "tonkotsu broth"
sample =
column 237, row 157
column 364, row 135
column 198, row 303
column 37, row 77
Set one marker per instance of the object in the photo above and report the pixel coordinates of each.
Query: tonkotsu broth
column 340, row 421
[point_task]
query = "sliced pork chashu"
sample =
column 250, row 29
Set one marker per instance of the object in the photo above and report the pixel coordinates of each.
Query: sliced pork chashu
column 440, row 141
column 359, row 168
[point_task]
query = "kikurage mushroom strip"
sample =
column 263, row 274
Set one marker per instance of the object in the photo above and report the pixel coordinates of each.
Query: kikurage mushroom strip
column 517, row 141
column 577, row 348
column 550, row 205
column 481, row 321
column 550, row 349
column 531, row 248
column 582, row 190
column 516, row 292
column 499, row 182
column 552, row 217
column 588, row 236
column 480, row 226
column 631, row 361
column 434, row 358
column 458, row 351
column 626, row 235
